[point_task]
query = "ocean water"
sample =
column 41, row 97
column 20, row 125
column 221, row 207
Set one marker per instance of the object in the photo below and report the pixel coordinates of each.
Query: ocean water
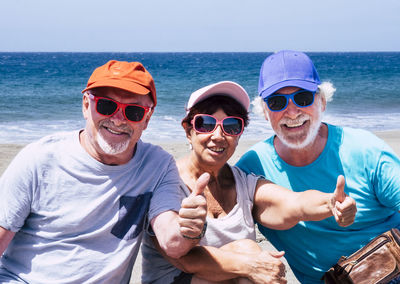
column 40, row 93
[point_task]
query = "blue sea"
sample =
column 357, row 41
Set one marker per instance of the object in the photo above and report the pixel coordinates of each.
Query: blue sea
column 40, row 93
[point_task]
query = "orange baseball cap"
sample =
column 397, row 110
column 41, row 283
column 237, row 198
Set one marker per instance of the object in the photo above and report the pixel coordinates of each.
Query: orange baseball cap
column 128, row 76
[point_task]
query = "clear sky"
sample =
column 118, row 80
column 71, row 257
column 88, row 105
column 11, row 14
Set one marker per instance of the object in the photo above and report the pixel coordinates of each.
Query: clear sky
column 202, row 25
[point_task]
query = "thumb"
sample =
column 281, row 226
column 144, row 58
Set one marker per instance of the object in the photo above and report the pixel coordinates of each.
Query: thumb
column 339, row 191
column 201, row 184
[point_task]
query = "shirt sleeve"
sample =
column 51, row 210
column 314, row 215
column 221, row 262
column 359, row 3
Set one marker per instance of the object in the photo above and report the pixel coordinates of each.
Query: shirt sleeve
column 247, row 184
column 167, row 196
column 387, row 180
column 17, row 185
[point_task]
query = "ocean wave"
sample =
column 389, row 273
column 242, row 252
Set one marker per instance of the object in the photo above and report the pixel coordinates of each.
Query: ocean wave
column 168, row 128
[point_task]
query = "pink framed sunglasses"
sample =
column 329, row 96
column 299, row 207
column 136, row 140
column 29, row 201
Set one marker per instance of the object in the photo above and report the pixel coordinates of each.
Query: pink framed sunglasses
column 205, row 123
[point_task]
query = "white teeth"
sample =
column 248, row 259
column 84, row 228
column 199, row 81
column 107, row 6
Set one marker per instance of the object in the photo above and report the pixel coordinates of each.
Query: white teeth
column 295, row 125
column 215, row 149
column 114, row 132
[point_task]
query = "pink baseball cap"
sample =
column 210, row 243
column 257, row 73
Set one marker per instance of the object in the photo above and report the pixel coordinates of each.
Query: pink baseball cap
column 225, row 88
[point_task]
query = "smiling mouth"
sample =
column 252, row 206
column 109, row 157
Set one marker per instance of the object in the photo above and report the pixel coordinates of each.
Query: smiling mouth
column 217, row 149
column 115, row 132
column 295, row 124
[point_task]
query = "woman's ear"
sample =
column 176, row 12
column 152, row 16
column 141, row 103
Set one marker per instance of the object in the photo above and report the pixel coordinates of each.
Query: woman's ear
column 186, row 126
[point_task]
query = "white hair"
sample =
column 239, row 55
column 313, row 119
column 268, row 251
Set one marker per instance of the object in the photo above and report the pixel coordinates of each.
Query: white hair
column 326, row 89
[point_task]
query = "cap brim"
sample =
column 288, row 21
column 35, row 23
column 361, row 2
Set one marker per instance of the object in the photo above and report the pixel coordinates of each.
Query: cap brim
column 306, row 85
column 124, row 85
column 227, row 88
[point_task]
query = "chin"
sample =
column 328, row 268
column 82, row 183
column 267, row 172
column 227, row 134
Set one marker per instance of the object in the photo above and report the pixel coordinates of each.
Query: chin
column 302, row 141
column 112, row 148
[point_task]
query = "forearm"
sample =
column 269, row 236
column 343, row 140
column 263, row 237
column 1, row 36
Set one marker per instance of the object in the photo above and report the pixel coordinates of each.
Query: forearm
column 170, row 239
column 178, row 233
column 214, row 264
column 209, row 263
column 239, row 259
column 229, row 262
column 5, row 238
column 314, row 205
column 283, row 209
column 278, row 208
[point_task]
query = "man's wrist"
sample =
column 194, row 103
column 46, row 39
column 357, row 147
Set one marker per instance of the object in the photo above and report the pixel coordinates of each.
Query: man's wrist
column 199, row 236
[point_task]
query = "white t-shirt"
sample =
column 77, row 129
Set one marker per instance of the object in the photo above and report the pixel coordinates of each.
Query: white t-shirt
column 78, row 220
column 237, row 225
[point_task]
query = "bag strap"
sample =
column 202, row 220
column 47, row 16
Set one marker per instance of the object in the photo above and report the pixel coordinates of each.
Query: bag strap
column 329, row 277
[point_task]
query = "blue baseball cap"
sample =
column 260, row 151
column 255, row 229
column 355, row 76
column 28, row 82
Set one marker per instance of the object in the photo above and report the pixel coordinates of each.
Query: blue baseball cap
column 287, row 68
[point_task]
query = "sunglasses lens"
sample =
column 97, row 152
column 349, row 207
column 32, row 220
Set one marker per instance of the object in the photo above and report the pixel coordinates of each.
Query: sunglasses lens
column 106, row 107
column 303, row 99
column 232, row 126
column 204, row 123
column 276, row 103
column 134, row 113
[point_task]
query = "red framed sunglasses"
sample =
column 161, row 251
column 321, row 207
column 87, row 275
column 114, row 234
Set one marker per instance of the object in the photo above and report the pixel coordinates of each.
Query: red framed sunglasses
column 205, row 123
column 108, row 107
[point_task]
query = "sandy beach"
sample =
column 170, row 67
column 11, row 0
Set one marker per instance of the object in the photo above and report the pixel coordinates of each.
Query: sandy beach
column 179, row 149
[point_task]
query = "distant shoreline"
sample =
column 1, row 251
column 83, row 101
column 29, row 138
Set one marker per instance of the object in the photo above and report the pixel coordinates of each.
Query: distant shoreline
column 212, row 52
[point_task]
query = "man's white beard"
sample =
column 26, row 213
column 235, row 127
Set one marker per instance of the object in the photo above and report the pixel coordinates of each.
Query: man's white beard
column 311, row 135
column 112, row 149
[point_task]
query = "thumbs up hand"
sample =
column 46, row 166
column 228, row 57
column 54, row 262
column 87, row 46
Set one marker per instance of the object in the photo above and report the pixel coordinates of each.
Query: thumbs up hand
column 343, row 206
column 193, row 212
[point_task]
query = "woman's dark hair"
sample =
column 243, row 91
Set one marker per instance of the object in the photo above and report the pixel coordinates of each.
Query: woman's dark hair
column 211, row 104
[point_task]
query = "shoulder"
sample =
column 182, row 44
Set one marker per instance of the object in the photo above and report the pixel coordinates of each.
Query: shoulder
column 153, row 159
column 259, row 154
column 54, row 143
column 265, row 145
column 360, row 139
column 39, row 154
column 237, row 172
column 243, row 177
column 258, row 149
column 245, row 183
column 358, row 146
column 152, row 151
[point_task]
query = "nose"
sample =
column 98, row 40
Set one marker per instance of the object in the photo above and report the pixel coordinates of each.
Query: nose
column 218, row 133
column 118, row 118
column 292, row 110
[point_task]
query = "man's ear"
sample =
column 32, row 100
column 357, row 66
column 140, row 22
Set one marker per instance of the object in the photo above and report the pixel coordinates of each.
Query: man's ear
column 85, row 106
column 265, row 111
column 323, row 102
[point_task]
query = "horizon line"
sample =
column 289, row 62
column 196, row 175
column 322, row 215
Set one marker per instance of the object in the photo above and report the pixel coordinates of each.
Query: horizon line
column 309, row 51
